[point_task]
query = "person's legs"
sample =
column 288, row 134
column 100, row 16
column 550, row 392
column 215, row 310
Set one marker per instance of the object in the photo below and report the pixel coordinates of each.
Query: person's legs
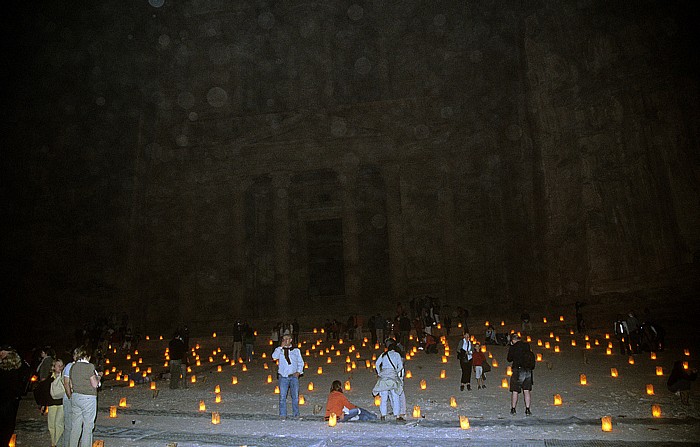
column 350, row 414
column 395, row 403
column 384, row 395
column 175, row 374
column 366, row 415
column 294, row 389
column 526, row 394
column 513, row 401
column 89, row 414
column 77, row 420
column 402, row 404
column 67, row 421
column 284, row 389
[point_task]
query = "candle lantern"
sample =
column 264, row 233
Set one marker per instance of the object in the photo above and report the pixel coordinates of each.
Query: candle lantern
column 606, row 423
column 332, row 420
column 269, row 378
column 98, row 443
column 217, row 389
column 319, row 370
column 442, row 374
column 652, row 356
column 153, row 385
column 244, row 368
column 608, row 351
column 453, row 402
column 202, row 406
column 539, row 342
column 416, row 411
column 217, row 399
column 113, row 411
column 631, row 360
column 193, row 379
column 544, row 320
column 650, row 389
column 218, row 368
column 234, row 380
column 613, row 372
column 132, row 384
column 215, row 418
column 122, row 402
column 504, row 383
column 347, row 385
column 556, row 348
column 659, row 371
column 557, row 399
column 463, row 422
column 686, row 351
column 302, row 399
column 494, row 364
column 377, row 401
column 539, row 357
column 656, row 411
column 685, row 365
column 573, row 342
column 409, row 374
column 509, row 370
column 561, row 318
column 444, row 359
column 583, row 379
column 423, row 385
column 311, row 386
column 277, row 389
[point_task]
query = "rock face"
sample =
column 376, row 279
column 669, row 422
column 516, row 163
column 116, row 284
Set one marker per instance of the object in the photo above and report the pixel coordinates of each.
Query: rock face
column 195, row 161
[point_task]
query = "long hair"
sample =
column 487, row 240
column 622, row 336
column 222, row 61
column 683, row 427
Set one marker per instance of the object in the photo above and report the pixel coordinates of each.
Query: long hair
column 336, row 386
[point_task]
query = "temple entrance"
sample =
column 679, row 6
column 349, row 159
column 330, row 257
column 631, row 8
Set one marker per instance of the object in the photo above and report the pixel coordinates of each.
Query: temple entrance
column 325, row 251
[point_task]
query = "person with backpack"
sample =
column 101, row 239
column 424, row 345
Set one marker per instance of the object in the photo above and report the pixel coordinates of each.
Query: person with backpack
column 523, row 363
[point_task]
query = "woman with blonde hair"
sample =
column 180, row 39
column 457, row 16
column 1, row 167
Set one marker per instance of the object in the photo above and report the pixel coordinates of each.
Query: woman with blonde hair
column 55, row 405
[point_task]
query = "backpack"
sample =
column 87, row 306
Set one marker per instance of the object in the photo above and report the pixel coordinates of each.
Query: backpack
column 529, row 360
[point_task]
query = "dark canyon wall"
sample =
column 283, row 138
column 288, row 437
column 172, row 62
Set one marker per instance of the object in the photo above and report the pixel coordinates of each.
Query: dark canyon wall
column 195, row 161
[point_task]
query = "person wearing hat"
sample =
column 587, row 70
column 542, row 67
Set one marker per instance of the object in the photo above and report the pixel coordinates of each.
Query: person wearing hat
column 11, row 390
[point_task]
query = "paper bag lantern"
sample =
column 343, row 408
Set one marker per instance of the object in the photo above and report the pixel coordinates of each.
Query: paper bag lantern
column 215, row 418
column 277, row 389
column 504, row 383
column 153, row 385
column 409, row 374
column 650, row 389
column 659, row 371
column 686, row 351
column 685, row 365
column 113, row 411
column 444, row 359
column 557, row 399
column 302, row 399
column 613, row 372
column 193, row 379
column 442, row 374
column 464, row 423
column 98, row 443
column 234, row 380
column 217, row 389
column 332, row 420
column 423, row 384
column 244, row 368
column 217, row 398
column 132, row 384
column 377, row 401
column 509, row 371
column 269, row 378
column 606, row 423
column 319, row 371
column 416, row 411
column 631, row 360
column 583, row 379
column 347, row 385
column 311, row 386
column 122, row 402
column 453, row 402
column 652, row 356
column 202, row 406
column 656, row 411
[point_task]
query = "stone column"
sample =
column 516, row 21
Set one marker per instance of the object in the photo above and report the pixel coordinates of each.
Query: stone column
column 351, row 251
column 280, row 216
column 452, row 277
column 238, row 248
column 394, row 228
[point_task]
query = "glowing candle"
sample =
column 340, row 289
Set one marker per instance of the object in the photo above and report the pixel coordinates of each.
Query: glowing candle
column 347, row 385
column 606, row 423
column 442, row 374
column 656, row 411
column 215, row 418
column 423, row 384
column 122, row 402
column 234, row 380
column 504, row 383
column 202, row 406
column 453, row 402
column 557, row 399
column 613, row 372
column 463, row 422
column 659, row 371
column 583, row 379
column 416, row 411
column 113, row 411
column 332, row 420
column 650, row 389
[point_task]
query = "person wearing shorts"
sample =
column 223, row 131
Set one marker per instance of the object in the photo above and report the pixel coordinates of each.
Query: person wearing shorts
column 521, row 380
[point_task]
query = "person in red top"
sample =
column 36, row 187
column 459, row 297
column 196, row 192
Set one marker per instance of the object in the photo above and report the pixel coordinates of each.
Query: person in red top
column 478, row 360
column 345, row 411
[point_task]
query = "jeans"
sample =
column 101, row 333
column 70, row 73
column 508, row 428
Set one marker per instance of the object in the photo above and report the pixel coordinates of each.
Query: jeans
column 248, row 352
column 395, row 402
column 289, row 384
column 84, row 413
column 67, row 420
column 176, row 374
column 361, row 413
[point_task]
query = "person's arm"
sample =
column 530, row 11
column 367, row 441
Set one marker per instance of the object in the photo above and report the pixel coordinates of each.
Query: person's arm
column 276, row 353
column 510, row 354
column 299, row 363
column 347, row 403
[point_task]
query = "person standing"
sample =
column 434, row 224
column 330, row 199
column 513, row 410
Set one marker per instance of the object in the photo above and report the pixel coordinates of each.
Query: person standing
column 177, row 352
column 465, row 350
column 84, row 381
column 237, row 341
column 249, row 341
column 580, row 322
column 46, row 356
column 521, row 380
column 55, row 416
column 11, row 390
column 290, row 368
column 478, row 360
column 389, row 367
column 622, row 334
column 67, row 402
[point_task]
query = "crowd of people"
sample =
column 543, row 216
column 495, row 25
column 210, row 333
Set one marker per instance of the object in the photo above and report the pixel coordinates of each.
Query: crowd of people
column 65, row 386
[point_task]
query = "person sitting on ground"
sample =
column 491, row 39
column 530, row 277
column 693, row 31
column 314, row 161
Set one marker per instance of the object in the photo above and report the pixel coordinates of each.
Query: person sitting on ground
column 680, row 380
column 344, row 410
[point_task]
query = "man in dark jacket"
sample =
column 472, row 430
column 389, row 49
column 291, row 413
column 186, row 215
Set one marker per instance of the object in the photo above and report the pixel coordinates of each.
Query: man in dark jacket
column 521, row 380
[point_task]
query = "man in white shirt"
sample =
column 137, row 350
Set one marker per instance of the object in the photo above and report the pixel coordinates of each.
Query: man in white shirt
column 290, row 367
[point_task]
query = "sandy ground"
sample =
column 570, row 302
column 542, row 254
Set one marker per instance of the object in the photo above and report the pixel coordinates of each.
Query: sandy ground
column 249, row 409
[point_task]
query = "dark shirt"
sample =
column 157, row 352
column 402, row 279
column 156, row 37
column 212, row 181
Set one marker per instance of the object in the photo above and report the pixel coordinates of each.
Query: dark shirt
column 177, row 349
column 516, row 353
